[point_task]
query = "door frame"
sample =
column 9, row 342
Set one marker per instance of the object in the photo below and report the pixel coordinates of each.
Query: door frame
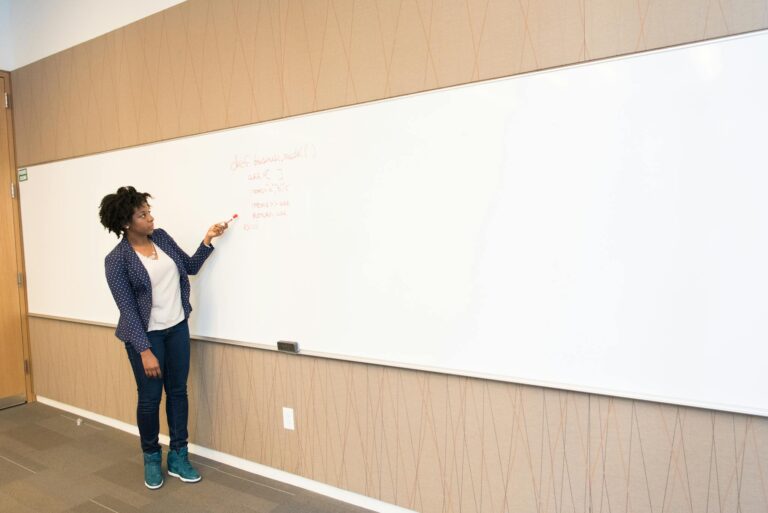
column 18, row 242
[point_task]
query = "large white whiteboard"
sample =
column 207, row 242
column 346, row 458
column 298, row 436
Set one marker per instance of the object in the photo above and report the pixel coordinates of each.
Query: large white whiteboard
column 599, row 228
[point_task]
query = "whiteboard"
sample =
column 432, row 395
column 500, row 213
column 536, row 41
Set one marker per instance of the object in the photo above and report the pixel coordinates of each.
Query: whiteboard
column 599, row 228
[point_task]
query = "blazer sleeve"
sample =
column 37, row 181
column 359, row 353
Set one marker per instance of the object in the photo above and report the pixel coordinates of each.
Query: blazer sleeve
column 192, row 264
column 129, row 327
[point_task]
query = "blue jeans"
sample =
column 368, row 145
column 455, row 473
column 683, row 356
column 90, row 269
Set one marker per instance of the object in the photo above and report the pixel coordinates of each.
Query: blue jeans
column 171, row 348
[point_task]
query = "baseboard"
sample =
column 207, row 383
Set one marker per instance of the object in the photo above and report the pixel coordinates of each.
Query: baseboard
column 243, row 464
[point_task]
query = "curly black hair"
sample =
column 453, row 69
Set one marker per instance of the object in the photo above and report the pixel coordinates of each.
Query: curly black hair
column 116, row 210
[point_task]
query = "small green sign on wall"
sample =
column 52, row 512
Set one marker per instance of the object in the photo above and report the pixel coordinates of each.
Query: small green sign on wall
column 23, row 174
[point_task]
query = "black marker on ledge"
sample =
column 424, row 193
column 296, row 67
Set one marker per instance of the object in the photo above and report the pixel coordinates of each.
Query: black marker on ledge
column 287, row 346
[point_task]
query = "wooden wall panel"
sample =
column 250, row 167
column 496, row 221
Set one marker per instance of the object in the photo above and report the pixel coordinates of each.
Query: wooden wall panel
column 204, row 65
column 430, row 442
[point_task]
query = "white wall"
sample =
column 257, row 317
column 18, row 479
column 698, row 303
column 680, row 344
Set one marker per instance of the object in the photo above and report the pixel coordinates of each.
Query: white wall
column 6, row 56
column 33, row 29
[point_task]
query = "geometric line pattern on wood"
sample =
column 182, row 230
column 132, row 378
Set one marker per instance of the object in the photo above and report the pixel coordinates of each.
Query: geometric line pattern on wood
column 206, row 65
column 431, row 442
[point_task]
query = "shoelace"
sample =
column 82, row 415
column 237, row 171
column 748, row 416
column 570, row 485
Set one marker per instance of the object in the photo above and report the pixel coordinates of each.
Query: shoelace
column 184, row 462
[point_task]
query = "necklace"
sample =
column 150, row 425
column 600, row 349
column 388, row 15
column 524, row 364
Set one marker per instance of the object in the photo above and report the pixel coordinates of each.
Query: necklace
column 151, row 256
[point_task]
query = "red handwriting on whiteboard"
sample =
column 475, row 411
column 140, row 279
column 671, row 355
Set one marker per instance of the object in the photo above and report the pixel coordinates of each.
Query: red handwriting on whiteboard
column 270, row 204
column 268, row 214
column 246, row 160
column 268, row 174
column 270, row 189
column 298, row 153
column 240, row 162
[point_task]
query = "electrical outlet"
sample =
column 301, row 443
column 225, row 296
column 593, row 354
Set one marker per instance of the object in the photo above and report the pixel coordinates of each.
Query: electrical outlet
column 288, row 422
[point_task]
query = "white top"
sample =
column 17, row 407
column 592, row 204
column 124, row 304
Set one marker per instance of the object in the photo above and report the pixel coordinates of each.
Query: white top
column 166, row 291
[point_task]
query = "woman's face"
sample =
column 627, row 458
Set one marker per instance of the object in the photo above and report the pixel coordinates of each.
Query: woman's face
column 142, row 222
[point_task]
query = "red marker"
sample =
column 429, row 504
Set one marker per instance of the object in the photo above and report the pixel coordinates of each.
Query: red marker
column 234, row 216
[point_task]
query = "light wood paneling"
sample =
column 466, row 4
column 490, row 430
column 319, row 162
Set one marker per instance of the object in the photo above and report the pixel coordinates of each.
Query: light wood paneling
column 204, row 65
column 617, row 27
column 432, row 442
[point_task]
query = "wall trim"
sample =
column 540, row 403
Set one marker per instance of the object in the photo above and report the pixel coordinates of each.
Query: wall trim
column 249, row 466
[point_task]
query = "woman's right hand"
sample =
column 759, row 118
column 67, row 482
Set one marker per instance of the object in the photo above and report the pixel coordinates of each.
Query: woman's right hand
column 214, row 231
column 151, row 365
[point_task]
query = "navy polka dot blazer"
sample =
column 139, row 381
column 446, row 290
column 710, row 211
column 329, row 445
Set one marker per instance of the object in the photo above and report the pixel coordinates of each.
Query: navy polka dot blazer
column 130, row 286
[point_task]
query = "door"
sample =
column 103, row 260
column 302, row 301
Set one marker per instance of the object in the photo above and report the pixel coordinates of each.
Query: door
column 12, row 363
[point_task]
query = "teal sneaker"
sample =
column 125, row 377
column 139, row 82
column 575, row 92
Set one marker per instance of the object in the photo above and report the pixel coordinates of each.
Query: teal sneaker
column 153, row 475
column 179, row 466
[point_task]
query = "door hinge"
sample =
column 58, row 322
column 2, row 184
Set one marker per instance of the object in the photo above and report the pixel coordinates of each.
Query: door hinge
column 19, row 279
column 13, row 190
column 26, row 366
column 7, row 100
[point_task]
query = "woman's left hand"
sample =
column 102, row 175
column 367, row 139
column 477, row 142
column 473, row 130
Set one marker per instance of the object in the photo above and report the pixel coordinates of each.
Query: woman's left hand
column 214, row 231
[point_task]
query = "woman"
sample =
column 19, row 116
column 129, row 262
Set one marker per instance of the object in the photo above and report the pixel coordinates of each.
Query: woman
column 148, row 274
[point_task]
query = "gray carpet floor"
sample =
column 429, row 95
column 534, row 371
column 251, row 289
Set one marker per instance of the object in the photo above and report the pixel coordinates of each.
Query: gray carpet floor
column 49, row 464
